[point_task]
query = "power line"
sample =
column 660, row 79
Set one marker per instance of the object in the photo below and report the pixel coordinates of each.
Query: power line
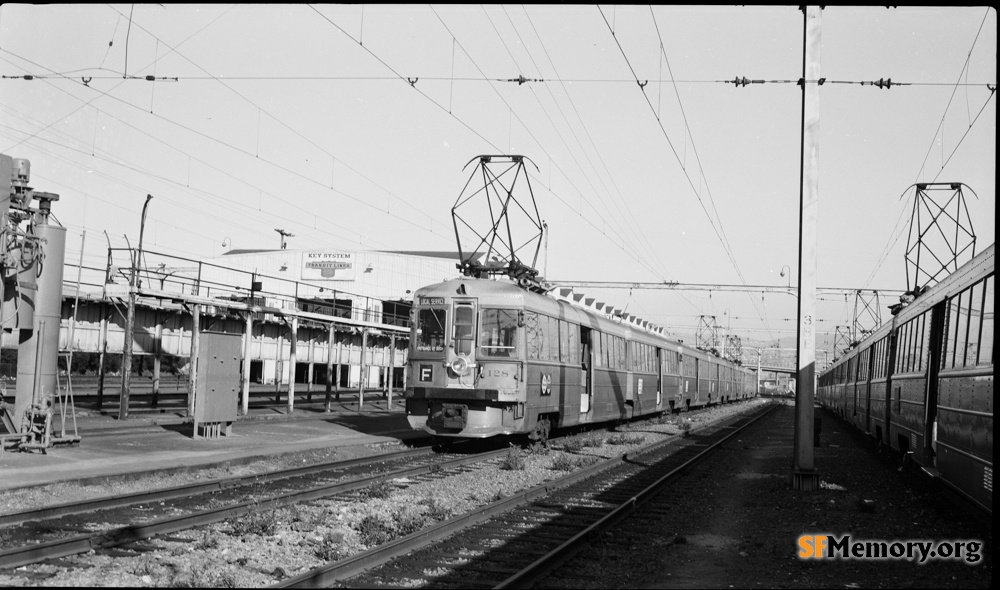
column 892, row 241
column 719, row 232
column 886, row 83
column 282, row 123
column 638, row 238
column 456, row 118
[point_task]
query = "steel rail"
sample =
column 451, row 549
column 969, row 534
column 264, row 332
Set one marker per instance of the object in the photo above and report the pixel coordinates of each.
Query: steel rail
column 325, row 575
column 194, row 489
column 82, row 543
column 545, row 564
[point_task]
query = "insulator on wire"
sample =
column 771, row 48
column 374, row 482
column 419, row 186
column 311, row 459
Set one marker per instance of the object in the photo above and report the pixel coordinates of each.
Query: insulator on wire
column 744, row 81
column 881, row 83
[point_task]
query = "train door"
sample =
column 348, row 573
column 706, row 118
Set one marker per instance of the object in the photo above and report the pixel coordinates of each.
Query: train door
column 936, row 340
column 697, row 379
column 659, row 376
column 864, row 376
column 852, row 380
column 587, row 364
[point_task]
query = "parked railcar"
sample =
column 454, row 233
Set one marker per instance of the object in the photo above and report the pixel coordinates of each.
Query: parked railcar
column 488, row 357
column 923, row 384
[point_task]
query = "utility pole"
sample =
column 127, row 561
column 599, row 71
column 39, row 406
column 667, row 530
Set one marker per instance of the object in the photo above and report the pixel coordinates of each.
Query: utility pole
column 804, row 475
column 284, row 235
column 130, row 320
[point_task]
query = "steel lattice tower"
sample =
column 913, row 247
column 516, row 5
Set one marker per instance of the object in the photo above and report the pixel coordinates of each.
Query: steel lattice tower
column 934, row 247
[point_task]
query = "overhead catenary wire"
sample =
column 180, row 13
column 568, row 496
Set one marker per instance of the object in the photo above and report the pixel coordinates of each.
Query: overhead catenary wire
column 694, row 147
column 282, row 123
column 445, row 109
column 520, row 79
column 719, row 232
column 635, row 235
column 894, row 238
column 323, row 185
column 502, row 99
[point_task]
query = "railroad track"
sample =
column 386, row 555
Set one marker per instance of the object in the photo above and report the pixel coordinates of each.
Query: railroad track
column 517, row 541
column 357, row 473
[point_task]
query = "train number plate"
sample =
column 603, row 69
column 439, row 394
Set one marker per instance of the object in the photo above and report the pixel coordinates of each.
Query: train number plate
column 454, row 415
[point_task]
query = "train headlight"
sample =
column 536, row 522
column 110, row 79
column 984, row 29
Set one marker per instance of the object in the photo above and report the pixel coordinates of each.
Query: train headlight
column 460, row 365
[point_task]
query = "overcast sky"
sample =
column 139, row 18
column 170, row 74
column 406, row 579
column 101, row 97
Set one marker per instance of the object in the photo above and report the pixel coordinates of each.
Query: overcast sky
column 349, row 126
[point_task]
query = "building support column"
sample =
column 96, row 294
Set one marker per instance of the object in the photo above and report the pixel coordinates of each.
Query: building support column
column 340, row 353
column 157, row 352
column 392, row 368
column 309, row 371
column 329, row 366
column 247, row 342
column 292, row 345
column 101, row 362
column 364, row 368
column 193, row 364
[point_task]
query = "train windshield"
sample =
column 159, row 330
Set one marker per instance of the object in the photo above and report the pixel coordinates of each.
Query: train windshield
column 498, row 333
column 430, row 330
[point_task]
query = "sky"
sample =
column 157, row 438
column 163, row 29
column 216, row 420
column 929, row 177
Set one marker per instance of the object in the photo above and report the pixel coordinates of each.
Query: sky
column 350, row 127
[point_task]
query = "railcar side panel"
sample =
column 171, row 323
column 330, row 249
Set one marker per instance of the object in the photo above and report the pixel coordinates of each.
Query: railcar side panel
column 965, row 432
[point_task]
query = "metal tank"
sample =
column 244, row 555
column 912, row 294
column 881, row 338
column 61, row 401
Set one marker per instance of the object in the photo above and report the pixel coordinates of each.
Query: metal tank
column 39, row 346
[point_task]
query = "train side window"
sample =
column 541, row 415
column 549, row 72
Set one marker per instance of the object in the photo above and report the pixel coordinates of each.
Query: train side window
column 901, row 349
column 543, row 337
column 961, row 328
column 908, row 348
column 552, row 335
column 601, row 349
column 952, row 332
column 498, row 333
column 622, row 358
column 531, row 335
column 911, row 345
column 985, row 356
column 946, row 334
column 670, row 363
column 975, row 318
column 572, row 342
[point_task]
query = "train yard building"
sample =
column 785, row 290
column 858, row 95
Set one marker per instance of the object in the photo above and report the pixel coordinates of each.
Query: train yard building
column 315, row 317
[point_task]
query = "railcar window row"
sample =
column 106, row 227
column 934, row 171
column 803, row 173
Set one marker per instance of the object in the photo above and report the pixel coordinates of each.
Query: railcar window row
column 689, row 366
column 969, row 327
column 552, row 339
column 671, row 362
column 610, row 351
column 880, row 360
column 912, row 342
column 863, row 365
column 498, row 333
column 643, row 357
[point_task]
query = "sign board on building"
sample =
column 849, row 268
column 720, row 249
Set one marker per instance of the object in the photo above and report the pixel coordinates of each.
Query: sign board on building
column 328, row 266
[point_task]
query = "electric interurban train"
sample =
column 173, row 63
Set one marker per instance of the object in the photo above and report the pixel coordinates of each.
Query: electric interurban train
column 923, row 384
column 488, row 357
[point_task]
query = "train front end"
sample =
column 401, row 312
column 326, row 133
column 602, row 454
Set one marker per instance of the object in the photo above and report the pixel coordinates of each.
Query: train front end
column 465, row 374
